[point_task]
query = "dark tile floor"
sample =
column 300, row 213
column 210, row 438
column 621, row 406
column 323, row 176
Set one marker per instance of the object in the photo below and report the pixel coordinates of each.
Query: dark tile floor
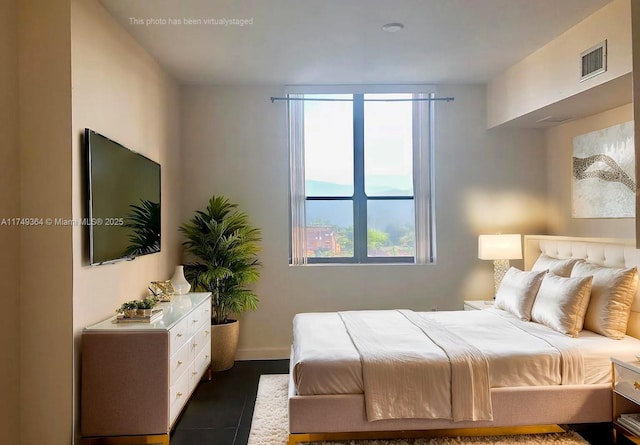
column 220, row 411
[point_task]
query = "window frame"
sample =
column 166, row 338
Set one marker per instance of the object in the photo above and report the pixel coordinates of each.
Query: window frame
column 359, row 198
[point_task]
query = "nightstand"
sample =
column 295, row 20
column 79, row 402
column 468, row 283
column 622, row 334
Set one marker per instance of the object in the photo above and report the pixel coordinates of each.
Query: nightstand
column 625, row 380
column 476, row 305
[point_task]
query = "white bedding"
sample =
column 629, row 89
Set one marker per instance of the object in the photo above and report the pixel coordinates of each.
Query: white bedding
column 325, row 360
column 408, row 376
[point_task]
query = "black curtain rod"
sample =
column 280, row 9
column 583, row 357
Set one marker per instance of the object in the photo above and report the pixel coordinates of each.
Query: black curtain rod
column 418, row 99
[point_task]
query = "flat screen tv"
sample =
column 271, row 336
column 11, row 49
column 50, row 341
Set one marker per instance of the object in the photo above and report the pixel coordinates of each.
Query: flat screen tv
column 123, row 201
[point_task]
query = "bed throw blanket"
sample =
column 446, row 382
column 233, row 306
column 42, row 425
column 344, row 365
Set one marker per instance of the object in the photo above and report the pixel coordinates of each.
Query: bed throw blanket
column 401, row 381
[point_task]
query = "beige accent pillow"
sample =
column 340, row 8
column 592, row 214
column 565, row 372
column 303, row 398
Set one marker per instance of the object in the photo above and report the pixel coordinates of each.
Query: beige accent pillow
column 556, row 266
column 517, row 292
column 561, row 303
column 612, row 293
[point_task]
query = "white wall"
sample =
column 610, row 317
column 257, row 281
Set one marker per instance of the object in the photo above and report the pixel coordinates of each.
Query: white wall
column 121, row 92
column 234, row 144
column 552, row 73
column 9, row 208
column 559, row 143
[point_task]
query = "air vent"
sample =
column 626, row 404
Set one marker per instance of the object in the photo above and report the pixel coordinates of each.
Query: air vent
column 594, row 61
column 553, row 120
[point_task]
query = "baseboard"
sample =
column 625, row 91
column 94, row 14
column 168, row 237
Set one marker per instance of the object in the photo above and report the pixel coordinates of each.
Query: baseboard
column 263, row 353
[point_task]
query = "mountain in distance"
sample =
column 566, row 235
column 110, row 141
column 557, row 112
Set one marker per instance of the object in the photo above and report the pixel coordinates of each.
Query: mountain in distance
column 375, row 185
column 381, row 213
column 322, row 188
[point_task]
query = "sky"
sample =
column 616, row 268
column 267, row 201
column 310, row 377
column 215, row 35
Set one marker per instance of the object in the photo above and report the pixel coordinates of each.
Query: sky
column 329, row 138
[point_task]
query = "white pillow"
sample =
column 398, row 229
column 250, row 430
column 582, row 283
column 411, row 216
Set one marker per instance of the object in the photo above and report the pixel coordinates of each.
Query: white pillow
column 562, row 302
column 560, row 267
column 517, row 292
column 612, row 293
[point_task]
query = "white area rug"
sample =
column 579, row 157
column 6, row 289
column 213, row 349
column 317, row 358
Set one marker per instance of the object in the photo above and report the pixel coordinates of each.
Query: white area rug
column 270, row 425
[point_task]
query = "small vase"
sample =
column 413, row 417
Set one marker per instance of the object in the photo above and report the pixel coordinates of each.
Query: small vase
column 180, row 284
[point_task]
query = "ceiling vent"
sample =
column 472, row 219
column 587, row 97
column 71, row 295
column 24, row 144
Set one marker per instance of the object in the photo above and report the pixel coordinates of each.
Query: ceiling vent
column 594, row 61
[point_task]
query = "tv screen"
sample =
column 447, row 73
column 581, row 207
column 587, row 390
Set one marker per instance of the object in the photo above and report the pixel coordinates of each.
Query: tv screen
column 123, row 201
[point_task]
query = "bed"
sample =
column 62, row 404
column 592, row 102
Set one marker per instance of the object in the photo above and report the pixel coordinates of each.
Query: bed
column 326, row 391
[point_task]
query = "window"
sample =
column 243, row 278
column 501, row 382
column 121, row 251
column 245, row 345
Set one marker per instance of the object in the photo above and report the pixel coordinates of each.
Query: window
column 361, row 177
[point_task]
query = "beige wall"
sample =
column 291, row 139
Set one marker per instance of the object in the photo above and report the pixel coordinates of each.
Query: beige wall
column 552, row 73
column 235, row 144
column 559, row 142
column 635, row 37
column 9, row 208
column 46, row 359
column 122, row 93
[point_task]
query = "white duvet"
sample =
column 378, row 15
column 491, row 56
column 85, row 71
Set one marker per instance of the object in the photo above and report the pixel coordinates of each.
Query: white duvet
column 440, row 377
column 326, row 361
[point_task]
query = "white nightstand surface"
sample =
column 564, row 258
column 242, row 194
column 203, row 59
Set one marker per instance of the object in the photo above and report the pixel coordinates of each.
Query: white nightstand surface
column 470, row 305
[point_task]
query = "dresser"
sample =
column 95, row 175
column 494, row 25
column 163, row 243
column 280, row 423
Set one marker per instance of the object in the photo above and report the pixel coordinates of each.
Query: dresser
column 137, row 377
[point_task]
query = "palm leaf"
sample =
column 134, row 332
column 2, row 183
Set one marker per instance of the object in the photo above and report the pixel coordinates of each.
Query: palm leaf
column 144, row 222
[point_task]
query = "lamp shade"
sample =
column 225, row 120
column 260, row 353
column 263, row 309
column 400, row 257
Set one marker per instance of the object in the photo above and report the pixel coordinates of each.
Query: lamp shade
column 500, row 247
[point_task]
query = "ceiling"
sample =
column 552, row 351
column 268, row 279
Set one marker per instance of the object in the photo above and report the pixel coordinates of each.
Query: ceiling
column 294, row 42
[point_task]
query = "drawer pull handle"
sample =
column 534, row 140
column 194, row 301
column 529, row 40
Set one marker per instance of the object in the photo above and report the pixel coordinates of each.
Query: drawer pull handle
column 206, row 332
column 194, row 345
column 178, row 335
column 179, row 362
column 206, row 356
column 636, row 386
column 178, row 394
column 193, row 373
column 195, row 321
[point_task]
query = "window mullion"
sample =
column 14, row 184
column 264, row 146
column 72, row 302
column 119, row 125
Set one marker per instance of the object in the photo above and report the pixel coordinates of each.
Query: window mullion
column 359, row 197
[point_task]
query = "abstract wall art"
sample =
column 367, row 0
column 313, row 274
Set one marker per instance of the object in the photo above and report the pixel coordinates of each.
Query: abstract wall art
column 604, row 179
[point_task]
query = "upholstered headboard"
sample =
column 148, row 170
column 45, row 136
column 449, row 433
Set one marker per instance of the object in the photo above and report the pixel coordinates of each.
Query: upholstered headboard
column 608, row 252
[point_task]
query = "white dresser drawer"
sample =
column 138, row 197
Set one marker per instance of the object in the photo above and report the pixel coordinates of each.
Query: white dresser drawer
column 179, row 393
column 200, row 317
column 200, row 365
column 202, row 338
column 179, row 334
column 627, row 382
column 203, row 359
column 179, row 362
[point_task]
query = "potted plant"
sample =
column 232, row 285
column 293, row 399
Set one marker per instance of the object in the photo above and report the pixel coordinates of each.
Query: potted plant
column 129, row 309
column 224, row 248
column 146, row 306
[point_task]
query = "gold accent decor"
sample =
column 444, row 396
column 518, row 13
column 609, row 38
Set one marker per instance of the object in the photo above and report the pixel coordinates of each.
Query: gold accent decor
column 162, row 289
column 156, row 439
column 412, row 434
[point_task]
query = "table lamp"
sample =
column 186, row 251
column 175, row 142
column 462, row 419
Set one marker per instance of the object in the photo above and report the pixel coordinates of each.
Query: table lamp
column 499, row 248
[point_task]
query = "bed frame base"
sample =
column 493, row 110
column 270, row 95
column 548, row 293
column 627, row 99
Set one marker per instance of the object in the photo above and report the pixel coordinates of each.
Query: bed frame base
column 413, row 434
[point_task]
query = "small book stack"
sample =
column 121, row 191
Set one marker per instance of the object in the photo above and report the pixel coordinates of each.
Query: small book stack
column 155, row 314
column 630, row 422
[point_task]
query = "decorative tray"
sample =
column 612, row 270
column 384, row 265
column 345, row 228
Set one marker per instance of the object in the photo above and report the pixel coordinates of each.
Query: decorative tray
column 155, row 315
